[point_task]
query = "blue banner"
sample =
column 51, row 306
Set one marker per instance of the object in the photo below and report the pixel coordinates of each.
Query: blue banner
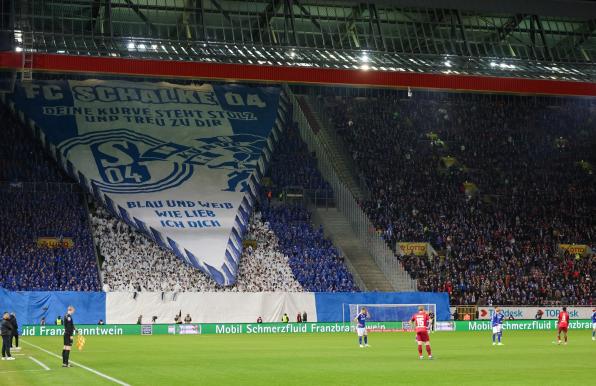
column 180, row 163
column 31, row 306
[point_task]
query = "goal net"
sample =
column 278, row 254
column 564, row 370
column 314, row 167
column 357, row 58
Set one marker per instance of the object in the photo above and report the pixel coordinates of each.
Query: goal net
column 386, row 312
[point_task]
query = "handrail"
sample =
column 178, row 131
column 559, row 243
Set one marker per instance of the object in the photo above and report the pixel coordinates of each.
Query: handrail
column 329, row 130
column 347, row 205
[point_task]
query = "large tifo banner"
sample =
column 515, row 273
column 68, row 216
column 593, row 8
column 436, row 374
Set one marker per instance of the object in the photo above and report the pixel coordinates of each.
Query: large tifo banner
column 180, row 163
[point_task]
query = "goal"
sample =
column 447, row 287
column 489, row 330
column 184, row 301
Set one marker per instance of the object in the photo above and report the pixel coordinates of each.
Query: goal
column 385, row 312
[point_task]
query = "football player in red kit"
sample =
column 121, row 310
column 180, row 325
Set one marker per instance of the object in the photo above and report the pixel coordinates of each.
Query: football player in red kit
column 421, row 323
column 563, row 324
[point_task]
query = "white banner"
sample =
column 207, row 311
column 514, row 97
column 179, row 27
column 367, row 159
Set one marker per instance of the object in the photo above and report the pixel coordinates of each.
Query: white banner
column 209, row 307
column 180, row 163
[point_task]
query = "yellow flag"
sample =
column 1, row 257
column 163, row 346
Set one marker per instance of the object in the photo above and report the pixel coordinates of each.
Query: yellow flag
column 80, row 342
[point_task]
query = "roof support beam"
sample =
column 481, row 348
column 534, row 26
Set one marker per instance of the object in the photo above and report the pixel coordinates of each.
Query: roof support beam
column 192, row 19
column 462, row 32
column 225, row 13
column 263, row 27
column 373, row 15
column 579, row 37
column 349, row 28
column 141, row 15
column 503, row 32
column 306, row 13
column 547, row 52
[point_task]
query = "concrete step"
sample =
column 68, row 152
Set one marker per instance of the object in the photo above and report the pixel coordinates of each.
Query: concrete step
column 338, row 229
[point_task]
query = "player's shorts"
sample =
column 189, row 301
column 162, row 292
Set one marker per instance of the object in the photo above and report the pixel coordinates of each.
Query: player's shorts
column 562, row 329
column 68, row 340
column 594, row 326
column 497, row 329
column 422, row 336
column 361, row 331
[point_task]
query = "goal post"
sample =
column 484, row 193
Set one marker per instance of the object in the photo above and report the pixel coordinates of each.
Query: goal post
column 385, row 312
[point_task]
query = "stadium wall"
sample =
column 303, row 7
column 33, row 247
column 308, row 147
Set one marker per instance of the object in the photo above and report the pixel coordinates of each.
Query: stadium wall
column 204, row 307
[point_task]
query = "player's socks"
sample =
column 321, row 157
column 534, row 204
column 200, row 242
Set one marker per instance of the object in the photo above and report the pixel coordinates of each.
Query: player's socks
column 420, row 350
column 499, row 336
column 428, row 351
column 67, row 355
column 360, row 340
column 366, row 340
column 64, row 356
column 494, row 336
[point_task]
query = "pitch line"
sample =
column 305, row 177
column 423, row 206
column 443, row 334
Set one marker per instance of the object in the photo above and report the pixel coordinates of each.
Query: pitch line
column 117, row 381
column 17, row 371
column 40, row 363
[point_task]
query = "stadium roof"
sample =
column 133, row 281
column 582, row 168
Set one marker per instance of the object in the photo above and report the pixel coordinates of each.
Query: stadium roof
column 544, row 39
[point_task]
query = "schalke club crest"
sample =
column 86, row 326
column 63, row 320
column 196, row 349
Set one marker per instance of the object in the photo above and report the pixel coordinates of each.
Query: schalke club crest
column 129, row 162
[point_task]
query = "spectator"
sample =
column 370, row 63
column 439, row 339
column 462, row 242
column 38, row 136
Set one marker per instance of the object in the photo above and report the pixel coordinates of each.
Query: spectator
column 285, row 318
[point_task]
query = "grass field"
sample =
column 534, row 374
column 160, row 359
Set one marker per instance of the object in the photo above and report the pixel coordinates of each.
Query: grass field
column 527, row 358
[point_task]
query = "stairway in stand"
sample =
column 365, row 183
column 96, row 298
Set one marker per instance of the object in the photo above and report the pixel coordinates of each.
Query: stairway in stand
column 338, row 229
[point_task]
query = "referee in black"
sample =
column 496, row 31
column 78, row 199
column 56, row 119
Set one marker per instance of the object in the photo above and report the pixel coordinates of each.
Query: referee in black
column 69, row 329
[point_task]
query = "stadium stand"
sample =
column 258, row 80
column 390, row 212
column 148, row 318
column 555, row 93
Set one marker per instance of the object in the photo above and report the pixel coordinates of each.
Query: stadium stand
column 32, row 192
column 292, row 165
column 315, row 262
column 492, row 183
column 22, row 159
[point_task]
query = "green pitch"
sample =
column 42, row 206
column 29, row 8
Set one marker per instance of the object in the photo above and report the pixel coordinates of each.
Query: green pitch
column 527, row 358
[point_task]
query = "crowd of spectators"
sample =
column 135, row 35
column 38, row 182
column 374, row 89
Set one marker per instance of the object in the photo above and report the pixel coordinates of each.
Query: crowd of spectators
column 494, row 184
column 292, row 165
column 37, row 201
column 132, row 262
column 22, row 159
column 24, row 265
column 315, row 262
